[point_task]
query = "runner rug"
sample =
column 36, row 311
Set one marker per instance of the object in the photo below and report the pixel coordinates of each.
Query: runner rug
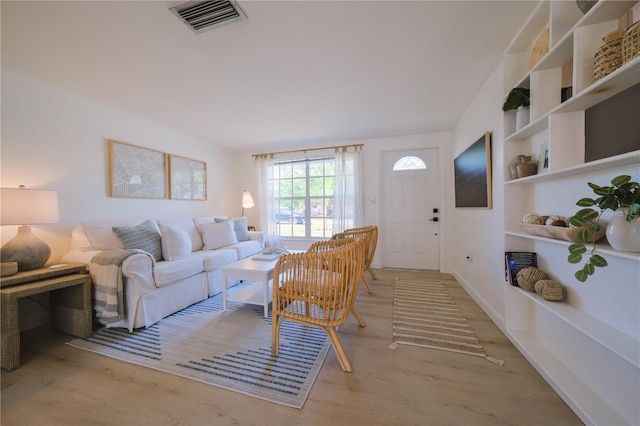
column 231, row 350
column 425, row 314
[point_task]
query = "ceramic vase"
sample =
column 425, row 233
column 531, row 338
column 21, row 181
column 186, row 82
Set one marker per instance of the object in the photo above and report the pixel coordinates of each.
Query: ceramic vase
column 526, row 167
column 623, row 235
column 513, row 167
column 522, row 117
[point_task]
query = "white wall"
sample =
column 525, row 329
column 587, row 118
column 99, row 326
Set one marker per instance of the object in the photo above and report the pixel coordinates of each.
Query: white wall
column 55, row 140
column 373, row 149
column 480, row 231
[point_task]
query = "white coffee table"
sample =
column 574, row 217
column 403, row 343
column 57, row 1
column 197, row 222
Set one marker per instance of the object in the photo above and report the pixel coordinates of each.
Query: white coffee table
column 249, row 269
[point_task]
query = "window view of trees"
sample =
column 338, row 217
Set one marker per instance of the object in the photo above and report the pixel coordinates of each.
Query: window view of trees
column 304, row 197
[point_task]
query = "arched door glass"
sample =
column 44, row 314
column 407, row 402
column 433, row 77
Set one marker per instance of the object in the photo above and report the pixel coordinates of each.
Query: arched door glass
column 409, row 163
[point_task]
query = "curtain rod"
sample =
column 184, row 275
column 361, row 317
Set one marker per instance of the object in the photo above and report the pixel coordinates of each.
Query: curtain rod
column 308, row 149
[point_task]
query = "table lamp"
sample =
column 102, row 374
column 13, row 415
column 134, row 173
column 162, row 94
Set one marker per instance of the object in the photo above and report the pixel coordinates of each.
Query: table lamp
column 25, row 207
column 247, row 201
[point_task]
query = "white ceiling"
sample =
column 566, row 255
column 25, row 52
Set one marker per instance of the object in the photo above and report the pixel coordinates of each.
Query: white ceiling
column 293, row 73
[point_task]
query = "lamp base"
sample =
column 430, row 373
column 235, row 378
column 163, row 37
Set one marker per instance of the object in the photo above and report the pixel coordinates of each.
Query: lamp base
column 27, row 250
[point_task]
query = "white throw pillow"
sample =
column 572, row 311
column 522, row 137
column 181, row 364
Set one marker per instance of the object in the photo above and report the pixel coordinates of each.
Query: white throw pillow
column 240, row 227
column 101, row 236
column 176, row 243
column 216, row 235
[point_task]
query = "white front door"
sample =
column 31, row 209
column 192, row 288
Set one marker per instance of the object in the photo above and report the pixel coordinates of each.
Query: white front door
column 410, row 209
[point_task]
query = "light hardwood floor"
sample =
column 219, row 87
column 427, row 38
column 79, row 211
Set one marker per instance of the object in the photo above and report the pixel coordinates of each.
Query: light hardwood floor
column 61, row 385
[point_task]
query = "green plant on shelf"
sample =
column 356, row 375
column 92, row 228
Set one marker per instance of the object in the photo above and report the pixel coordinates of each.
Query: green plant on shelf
column 517, row 97
column 622, row 194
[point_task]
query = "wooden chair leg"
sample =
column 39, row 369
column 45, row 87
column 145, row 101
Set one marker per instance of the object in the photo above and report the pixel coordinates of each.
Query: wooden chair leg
column 339, row 349
column 356, row 314
column 275, row 334
column 366, row 284
column 373, row 274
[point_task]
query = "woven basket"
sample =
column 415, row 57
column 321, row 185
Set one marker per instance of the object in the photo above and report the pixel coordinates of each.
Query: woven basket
column 631, row 43
column 609, row 57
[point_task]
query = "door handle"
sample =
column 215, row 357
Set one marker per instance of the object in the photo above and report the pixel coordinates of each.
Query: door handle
column 435, row 219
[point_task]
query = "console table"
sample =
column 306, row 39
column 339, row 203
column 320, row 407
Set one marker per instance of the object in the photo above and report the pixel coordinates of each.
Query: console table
column 69, row 303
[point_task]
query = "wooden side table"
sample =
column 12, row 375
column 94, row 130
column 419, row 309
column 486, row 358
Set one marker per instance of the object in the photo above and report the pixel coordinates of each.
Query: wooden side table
column 70, row 305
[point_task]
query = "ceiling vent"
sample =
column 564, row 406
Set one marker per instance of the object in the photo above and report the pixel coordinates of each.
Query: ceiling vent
column 203, row 16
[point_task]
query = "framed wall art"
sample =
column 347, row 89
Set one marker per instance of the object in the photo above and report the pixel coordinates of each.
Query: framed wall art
column 543, row 159
column 136, row 172
column 188, row 178
column 473, row 175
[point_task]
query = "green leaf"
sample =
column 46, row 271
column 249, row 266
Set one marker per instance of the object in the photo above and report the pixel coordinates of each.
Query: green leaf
column 603, row 190
column 620, row 180
column 583, row 236
column 581, row 276
column 587, row 215
column 574, row 258
column 577, row 248
column 589, row 269
column 586, row 202
column 609, row 202
column 598, row 261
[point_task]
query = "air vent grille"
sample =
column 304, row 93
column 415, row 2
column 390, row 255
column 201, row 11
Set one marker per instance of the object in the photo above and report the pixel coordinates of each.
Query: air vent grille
column 203, row 16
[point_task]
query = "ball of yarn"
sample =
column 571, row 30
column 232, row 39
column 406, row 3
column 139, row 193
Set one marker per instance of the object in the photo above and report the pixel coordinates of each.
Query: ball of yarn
column 528, row 277
column 550, row 290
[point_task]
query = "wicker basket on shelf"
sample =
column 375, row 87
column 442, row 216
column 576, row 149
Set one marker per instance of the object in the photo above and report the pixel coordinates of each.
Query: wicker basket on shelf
column 631, row 43
column 609, row 57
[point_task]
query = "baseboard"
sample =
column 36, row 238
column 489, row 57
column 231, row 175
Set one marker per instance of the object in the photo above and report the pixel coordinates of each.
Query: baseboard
column 495, row 316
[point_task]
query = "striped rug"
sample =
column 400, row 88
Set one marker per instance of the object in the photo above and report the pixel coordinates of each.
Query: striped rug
column 231, row 350
column 425, row 314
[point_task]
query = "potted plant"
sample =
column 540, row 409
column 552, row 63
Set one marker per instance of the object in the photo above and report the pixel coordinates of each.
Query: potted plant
column 623, row 194
column 518, row 99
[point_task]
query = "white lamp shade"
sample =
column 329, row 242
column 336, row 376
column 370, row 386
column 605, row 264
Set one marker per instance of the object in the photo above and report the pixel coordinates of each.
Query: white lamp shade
column 247, row 200
column 20, row 206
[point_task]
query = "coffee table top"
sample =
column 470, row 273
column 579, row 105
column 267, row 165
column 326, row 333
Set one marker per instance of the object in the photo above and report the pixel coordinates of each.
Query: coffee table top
column 250, row 264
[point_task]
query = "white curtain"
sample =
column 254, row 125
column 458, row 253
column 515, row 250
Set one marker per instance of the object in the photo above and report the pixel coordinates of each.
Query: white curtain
column 264, row 166
column 349, row 198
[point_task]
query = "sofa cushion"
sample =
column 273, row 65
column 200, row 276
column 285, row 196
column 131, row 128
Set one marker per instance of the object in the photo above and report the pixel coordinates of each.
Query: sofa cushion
column 240, row 227
column 216, row 235
column 176, row 243
column 246, row 248
column 167, row 273
column 145, row 236
column 213, row 259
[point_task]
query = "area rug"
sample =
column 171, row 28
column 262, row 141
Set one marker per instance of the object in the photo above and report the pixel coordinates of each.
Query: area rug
column 425, row 314
column 231, row 350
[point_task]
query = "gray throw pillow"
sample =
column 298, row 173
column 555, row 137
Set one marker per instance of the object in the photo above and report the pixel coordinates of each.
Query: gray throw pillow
column 145, row 236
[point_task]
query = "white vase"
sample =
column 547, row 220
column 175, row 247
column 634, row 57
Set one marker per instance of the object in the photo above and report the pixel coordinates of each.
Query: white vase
column 622, row 235
column 522, row 117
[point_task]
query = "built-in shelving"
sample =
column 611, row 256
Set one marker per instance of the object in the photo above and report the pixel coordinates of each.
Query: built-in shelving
column 579, row 346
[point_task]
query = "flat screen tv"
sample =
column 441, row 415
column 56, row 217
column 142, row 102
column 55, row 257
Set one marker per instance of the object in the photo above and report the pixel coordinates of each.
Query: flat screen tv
column 473, row 175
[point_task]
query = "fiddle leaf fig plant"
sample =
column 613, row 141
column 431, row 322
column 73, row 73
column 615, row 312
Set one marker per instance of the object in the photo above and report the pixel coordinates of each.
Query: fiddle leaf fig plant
column 622, row 194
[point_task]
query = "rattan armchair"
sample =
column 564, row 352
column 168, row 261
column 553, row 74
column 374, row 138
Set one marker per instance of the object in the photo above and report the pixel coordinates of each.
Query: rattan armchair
column 370, row 235
column 318, row 289
column 330, row 245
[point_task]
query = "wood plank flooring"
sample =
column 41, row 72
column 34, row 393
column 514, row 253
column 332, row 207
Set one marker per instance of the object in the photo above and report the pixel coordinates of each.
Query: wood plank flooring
column 61, row 385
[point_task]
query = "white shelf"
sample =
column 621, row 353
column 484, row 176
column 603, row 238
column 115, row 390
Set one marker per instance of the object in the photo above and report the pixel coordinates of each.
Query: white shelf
column 604, row 249
column 621, row 79
column 571, row 342
column 627, row 159
column 590, row 407
column 618, row 343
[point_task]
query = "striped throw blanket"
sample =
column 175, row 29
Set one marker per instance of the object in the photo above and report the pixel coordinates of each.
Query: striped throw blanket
column 106, row 274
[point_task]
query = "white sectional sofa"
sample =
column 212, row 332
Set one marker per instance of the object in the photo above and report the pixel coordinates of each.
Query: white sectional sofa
column 179, row 268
